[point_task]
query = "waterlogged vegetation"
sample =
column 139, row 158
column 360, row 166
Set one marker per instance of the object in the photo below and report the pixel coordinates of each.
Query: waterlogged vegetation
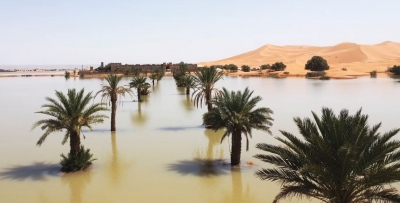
column 163, row 135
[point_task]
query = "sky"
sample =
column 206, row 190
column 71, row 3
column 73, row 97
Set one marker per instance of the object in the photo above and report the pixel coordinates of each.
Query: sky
column 48, row 32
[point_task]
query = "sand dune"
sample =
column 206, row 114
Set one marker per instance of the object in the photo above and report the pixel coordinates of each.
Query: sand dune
column 357, row 59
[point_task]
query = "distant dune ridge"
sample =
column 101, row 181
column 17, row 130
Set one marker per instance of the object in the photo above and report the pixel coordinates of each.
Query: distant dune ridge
column 357, row 59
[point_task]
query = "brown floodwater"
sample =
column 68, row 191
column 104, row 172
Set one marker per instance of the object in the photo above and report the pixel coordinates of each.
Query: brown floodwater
column 160, row 151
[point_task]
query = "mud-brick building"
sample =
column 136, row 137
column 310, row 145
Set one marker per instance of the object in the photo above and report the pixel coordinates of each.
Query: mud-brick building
column 118, row 67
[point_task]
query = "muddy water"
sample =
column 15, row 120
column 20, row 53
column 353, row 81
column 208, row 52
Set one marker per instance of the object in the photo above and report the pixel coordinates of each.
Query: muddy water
column 160, row 152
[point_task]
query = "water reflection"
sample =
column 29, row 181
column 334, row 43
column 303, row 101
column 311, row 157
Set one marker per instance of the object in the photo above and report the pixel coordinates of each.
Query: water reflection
column 181, row 90
column 139, row 118
column 210, row 163
column 114, row 169
column 187, row 103
column 155, row 88
column 77, row 183
column 237, row 194
column 36, row 171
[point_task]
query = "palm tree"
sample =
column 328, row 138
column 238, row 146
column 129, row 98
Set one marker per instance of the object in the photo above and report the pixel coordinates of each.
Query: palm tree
column 153, row 77
column 337, row 159
column 110, row 92
column 205, row 80
column 70, row 112
column 139, row 83
column 188, row 83
column 235, row 113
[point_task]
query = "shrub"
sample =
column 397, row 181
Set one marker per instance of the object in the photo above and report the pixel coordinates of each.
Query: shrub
column 325, row 78
column 315, row 74
column 67, row 74
column 265, row 67
column 245, row 68
column 81, row 74
column 395, row 70
column 373, row 74
column 344, row 69
column 231, row 67
column 278, row 66
column 286, row 73
column 81, row 160
column 317, row 63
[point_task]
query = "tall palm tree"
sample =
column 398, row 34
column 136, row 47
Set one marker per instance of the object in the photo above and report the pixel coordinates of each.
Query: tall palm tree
column 70, row 112
column 110, row 92
column 205, row 80
column 139, row 83
column 188, row 83
column 153, row 77
column 235, row 112
column 337, row 159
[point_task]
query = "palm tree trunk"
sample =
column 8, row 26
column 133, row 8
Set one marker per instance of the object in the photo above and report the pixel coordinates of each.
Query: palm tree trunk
column 113, row 113
column 187, row 90
column 138, row 95
column 74, row 142
column 236, row 148
column 208, row 100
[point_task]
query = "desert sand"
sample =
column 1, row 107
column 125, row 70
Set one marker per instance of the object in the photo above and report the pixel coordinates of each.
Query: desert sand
column 358, row 60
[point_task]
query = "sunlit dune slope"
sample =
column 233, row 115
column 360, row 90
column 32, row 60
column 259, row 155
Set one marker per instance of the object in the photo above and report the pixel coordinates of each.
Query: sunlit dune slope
column 357, row 59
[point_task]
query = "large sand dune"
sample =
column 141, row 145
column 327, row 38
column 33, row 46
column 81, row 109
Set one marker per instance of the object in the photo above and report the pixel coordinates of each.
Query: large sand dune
column 357, row 59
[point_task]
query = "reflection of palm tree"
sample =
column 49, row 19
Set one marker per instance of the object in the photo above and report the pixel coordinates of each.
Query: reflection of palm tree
column 115, row 169
column 213, row 139
column 139, row 118
column 187, row 103
column 77, row 183
column 237, row 194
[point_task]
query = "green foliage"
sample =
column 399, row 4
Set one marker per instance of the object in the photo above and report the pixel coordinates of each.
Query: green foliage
column 236, row 112
column 179, row 73
column 395, row 70
column 189, row 82
column 231, row 67
column 106, row 68
column 335, row 158
column 110, row 92
column 136, row 71
column 75, row 162
column 317, row 63
column 278, row 66
column 141, row 86
column 373, row 74
column 315, row 74
column 265, row 67
column 325, row 77
column 81, row 74
column 245, row 68
column 69, row 112
column 205, row 80
column 67, row 74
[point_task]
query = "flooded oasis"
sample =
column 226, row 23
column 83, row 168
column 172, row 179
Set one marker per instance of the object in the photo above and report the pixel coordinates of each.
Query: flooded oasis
column 160, row 151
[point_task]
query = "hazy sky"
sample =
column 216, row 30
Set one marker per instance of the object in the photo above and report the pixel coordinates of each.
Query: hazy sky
column 155, row 31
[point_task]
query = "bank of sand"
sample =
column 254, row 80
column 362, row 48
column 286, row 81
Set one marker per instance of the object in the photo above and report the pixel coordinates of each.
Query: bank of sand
column 346, row 60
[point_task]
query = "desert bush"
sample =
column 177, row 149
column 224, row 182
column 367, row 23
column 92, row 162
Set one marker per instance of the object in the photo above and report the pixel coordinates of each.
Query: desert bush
column 317, row 63
column 245, row 68
column 81, row 160
column 265, row 67
column 324, row 78
column 278, row 66
column 67, row 74
column 344, row 69
column 315, row 74
column 373, row 74
column 395, row 70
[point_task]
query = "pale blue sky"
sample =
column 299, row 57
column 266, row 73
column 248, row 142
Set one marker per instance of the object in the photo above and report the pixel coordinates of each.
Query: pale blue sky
column 155, row 31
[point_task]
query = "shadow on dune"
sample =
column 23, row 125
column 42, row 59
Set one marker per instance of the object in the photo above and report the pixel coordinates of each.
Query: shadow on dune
column 36, row 171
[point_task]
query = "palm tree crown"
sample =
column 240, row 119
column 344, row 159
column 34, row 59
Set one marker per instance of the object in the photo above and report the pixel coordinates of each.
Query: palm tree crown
column 338, row 159
column 110, row 92
column 70, row 112
column 205, row 80
column 139, row 83
column 235, row 112
column 188, row 83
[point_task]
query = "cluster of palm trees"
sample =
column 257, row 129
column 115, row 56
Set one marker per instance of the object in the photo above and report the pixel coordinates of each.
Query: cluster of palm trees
column 337, row 159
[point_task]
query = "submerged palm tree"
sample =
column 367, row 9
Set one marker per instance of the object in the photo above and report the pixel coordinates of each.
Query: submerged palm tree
column 70, row 112
column 110, row 92
column 235, row 112
column 188, row 82
column 338, row 159
column 205, row 80
column 139, row 83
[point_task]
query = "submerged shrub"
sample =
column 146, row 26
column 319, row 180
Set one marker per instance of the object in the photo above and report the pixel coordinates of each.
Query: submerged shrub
column 315, row 74
column 325, row 78
column 79, row 161
column 373, row 74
